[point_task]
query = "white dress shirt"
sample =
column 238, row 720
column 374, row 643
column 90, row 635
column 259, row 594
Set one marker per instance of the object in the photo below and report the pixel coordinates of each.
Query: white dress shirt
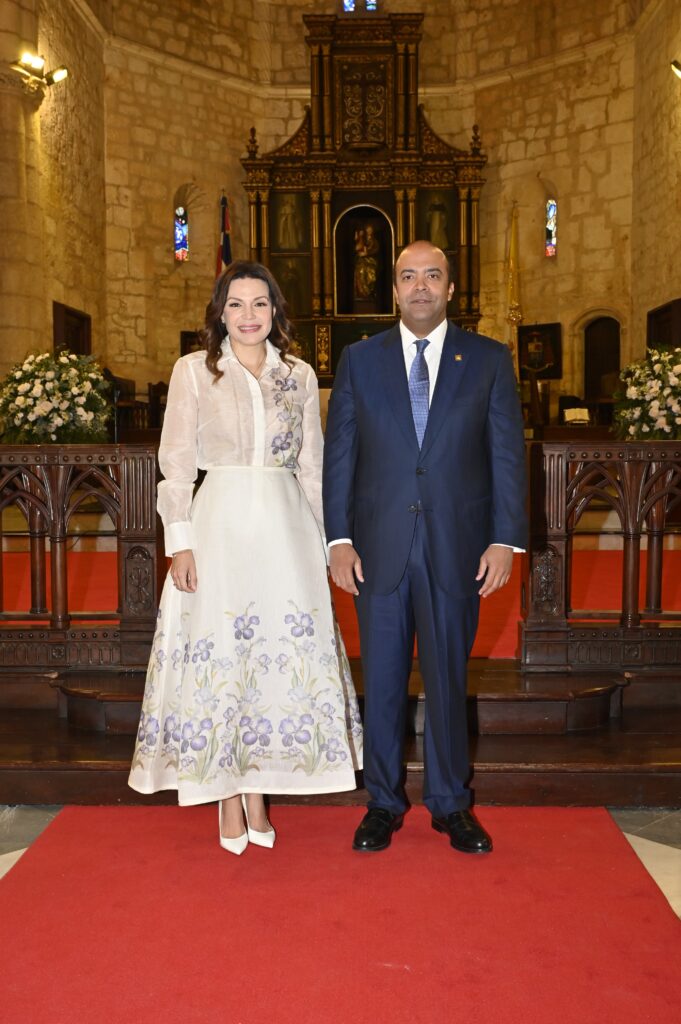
column 236, row 421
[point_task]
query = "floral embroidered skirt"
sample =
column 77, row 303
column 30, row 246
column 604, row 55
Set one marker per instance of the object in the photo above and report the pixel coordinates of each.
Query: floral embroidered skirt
column 248, row 688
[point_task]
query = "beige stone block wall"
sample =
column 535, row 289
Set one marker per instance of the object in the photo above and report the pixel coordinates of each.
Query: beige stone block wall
column 656, row 270
column 568, row 134
column 22, row 324
column 101, row 11
column 168, row 126
column 551, row 87
column 229, row 37
column 72, row 168
column 571, row 99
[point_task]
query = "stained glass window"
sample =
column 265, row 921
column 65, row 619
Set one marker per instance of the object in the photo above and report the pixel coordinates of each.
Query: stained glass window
column 551, row 218
column 181, row 234
column 348, row 5
column 371, row 5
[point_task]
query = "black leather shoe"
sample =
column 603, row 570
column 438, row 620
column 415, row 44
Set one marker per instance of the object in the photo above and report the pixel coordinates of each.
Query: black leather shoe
column 465, row 832
column 376, row 829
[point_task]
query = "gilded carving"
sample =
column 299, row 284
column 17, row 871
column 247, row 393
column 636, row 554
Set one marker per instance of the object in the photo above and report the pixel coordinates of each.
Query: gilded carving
column 323, row 346
column 360, row 176
column 364, row 132
column 299, row 143
column 364, row 92
column 469, row 174
column 442, row 176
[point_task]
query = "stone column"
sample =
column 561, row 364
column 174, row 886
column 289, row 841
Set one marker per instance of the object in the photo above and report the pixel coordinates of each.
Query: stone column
column 23, row 318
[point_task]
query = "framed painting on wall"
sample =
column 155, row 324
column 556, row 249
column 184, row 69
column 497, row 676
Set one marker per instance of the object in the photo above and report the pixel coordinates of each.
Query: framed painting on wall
column 540, row 351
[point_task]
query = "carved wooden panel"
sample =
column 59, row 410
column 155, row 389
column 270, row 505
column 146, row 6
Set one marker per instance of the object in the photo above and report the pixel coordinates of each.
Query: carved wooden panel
column 364, row 159
column 49, row 484
column 641, row 483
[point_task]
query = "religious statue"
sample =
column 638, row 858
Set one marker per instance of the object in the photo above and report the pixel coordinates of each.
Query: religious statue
column 437, row 223
column 289, row 234
column 367, row 265
column 290, row 286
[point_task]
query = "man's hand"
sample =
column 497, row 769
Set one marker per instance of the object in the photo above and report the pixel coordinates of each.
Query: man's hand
column 183, row 571
column 495, row 565
column 345, row 566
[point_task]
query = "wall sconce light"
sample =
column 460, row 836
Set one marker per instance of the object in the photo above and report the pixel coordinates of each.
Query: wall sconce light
column 32, row 69
column 676, row 68
column 58, row 75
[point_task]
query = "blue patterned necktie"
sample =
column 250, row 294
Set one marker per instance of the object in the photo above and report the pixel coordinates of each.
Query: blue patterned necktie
column 419, row 388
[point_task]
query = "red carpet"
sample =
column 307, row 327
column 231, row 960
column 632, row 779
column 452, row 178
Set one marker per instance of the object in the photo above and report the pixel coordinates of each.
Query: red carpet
column 121, row 915
column 596, row 585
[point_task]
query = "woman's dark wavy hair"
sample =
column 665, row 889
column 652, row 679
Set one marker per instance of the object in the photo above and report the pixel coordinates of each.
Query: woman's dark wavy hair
column 282, row 334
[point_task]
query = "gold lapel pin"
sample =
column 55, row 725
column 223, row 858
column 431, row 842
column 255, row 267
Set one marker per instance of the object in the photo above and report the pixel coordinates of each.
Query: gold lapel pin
column 458, row 357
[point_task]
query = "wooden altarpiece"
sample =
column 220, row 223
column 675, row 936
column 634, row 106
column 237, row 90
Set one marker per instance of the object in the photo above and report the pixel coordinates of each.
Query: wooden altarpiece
column 362, row 176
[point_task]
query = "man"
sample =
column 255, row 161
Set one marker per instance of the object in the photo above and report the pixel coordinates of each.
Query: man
column 424, row 501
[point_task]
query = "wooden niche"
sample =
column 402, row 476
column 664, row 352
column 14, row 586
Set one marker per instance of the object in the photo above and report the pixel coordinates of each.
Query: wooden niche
column 362, row 176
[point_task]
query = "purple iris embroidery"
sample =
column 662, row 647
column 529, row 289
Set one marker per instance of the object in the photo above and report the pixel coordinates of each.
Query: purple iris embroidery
column 282, row 442
column 333, row 750
column 303, row 624
column 242, row 626
column 192, row 734
column 295, row 728
column 171, row 729
column 148, row 729
column 227, row 759
column 256, row 730
column 202, row 650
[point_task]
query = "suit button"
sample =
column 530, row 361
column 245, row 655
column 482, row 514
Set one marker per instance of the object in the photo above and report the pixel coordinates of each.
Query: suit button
column 413, row 508
column 420, row 471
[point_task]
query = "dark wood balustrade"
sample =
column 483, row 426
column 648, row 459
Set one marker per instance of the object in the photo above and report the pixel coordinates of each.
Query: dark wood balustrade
column 49, row 484
column 641, row 483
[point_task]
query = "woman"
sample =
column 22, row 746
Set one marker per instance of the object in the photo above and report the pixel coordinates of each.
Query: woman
column 248, row 688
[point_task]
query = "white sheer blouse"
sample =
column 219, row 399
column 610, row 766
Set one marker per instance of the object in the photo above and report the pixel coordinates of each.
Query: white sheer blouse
column 236, row 421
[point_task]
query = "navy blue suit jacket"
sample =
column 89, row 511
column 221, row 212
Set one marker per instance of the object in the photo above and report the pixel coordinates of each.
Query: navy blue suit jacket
column 468, row 479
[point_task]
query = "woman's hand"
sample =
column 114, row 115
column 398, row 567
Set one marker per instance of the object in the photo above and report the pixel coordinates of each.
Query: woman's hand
column 183, row 571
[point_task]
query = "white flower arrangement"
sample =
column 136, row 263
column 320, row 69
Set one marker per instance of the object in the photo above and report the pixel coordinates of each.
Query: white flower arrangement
column 50, row 399
column 648, row 407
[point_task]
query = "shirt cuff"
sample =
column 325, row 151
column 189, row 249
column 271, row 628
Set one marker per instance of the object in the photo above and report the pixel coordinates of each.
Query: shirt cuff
column 179, row 537
column 518, row 551
column 339, row 540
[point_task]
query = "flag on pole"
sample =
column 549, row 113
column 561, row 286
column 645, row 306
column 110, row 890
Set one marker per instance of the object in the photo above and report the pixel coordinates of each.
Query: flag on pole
column 225, row 246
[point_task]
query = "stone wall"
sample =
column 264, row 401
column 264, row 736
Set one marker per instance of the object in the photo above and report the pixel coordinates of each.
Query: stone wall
column 232, row 38
column 172, row 133
column 72, row 169
column 552, row 88
column 572, row 99
column 656, row 265
column 22, row 319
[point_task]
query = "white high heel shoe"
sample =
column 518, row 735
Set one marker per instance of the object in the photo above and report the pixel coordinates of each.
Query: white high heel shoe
column 237, row 845
column 265, row 839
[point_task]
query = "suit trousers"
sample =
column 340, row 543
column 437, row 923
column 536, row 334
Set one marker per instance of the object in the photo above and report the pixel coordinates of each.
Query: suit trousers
column 445, row 628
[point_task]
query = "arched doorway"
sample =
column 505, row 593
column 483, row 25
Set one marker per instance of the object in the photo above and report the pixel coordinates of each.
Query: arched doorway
column 601, row 366
column 364, row 253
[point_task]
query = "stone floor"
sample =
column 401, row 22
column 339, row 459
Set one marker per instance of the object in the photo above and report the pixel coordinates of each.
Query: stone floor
column 655, row 835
